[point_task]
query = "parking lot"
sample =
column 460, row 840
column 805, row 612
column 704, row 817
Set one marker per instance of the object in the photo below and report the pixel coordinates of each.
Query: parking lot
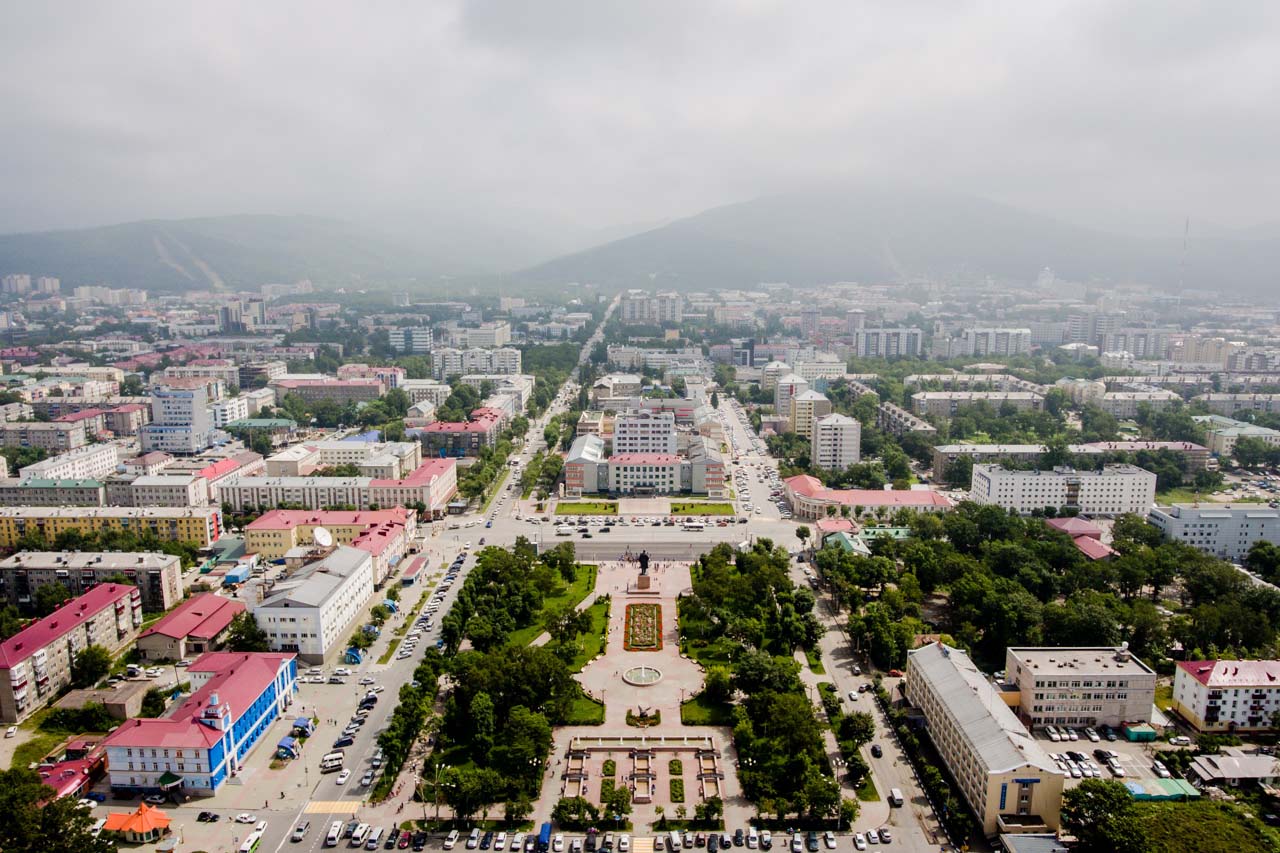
column 1135, row 759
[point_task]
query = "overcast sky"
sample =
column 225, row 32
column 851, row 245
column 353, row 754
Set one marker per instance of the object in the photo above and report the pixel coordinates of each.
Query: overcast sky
column 581, row 116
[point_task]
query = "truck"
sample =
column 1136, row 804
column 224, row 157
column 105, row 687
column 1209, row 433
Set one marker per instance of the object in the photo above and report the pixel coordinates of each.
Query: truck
column 544, row 838
column 564, row 530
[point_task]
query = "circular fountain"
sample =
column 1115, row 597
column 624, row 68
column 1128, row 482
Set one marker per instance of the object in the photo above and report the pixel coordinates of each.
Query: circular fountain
column 642, row 676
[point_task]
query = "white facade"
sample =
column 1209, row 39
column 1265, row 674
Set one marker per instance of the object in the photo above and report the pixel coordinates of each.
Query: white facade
column 495, row 334
column 411, row 340
column 644, row 432
column 92, row 462
column 165, row 491
column 1080, row 686
column 1115, row 490
column 313, row 611
column 180, row 421
column 806, row 407
column 1227, row 695
column 1224, row 530
column 229, row 409
column 887, row 343
column 789, row 387
column 448, row 361
column 836, row 442
column 991, row 341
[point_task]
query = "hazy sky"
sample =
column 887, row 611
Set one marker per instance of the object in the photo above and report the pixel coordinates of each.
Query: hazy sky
column 571, row 117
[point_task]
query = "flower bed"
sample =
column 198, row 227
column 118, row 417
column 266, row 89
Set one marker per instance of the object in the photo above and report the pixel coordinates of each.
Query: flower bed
column 643, row 628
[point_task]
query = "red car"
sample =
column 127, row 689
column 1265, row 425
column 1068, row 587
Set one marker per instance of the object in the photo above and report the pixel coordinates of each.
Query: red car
column 895, row 673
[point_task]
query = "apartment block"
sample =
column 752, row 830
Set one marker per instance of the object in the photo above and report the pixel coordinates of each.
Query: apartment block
column 888, row 343
column 411, row 340
column 836, row 442
column 157, row 576
column 1105, row 686
column 944, row 404
column 807, row 407
column 896, row 420
column 199, row 525
column 1223, row 530
column 92, row 462
column 1230, row 404
column 448, row 361
column 1227, row 695
column 53, row 437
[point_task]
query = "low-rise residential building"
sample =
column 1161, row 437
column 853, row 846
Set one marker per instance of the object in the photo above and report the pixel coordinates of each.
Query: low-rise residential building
column 1196, row 456
column 944, row 404
column 389, row 376
column 35, row 663
column 54, row 437
column 896, row 420
column 809, row 498
column 836, row 443
column 1222, row 433
column 1230, row 404
column 341, row 391
column 1114, row 490
column 1125, row 405
column 312, row 611
column 1105, row 686
column 384, row 533
column 40, row 492
column 199, row 525
column 426, row 390
column 198, row 625
column 157, row 576
column 463, row 438
column 203, row 742
column 1227, row 695
column 1222, row 529
column 1003, row 774
column 428, row 488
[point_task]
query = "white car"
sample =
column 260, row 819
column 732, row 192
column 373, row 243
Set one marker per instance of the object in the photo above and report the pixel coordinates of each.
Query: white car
column 859, row 841
column 500, row 841
column 557, row 842
column 343, row 777
column 87, row 804
column 245, row 817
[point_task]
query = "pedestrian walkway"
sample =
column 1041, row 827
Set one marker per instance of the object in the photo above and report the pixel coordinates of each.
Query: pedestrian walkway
column 333, row 806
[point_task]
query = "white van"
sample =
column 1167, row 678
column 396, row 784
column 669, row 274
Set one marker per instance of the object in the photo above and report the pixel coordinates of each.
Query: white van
column 676, row 843
column 358, row 837
column 375, row 839
column 335, row 833
column 895, row 797
column 564, row 530
column 451, row 840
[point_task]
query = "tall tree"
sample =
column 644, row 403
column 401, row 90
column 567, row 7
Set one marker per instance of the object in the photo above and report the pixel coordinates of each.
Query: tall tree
column 245, row 635
column 37, row 822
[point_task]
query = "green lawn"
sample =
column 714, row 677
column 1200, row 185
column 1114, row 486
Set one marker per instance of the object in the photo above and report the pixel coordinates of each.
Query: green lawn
column 585, row 711
column 593, row 640
column 815, row 662
column 494, row 488
column 36, row 748
column 570, row 595
column 587, row 508
column 700, row 711
column 1164, row 696
column 1203, row 826
column 867, row 792
column 701, row 508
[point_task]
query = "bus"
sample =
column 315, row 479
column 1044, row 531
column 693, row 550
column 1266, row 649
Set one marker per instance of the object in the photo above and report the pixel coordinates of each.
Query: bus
column 695, row 525
column 333, row 761
column 544, row 838
column 895, row 797
column 251, row 843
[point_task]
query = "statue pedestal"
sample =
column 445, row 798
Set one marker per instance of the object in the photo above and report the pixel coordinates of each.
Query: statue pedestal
column 642, row 582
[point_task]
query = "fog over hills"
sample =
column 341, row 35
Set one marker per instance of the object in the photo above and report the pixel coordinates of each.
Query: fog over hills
column 889, row 234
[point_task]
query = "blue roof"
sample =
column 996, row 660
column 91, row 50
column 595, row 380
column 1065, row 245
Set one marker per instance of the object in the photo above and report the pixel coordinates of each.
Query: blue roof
column 372, row 437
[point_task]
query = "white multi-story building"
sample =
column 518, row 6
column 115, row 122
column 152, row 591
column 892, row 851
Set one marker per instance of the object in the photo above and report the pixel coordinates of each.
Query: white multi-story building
column 888, row 343
column 1115, row 490
column 165, row 491
column 447, row 361
column 944, row 404
column 1227, row 695
column 1080, row 686
column 639, row 307
column 229, row 409
column 836, row 442
column 992, row 341
column 1004, row 775
column 180, row 422
column 1222, row 433
column 644, row 432
column 1230, row 404
column 312, row 611
column 426, row 390
column 92, row 462
column 806, row 407
column 495, row 334
column 1224, row 530
column 374, row 459
column 788, row 388
column 811, row 370
column 413, row 341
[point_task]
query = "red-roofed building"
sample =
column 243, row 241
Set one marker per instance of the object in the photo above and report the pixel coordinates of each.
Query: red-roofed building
column 809, row 499
column 384, row 533
column 463, row 438
column 127, row 419
column 93, row 420
column 148, row 823
column 195, row 626
column 204, row 741
column 1086, row 535
column 35, row 663
column 1227, row 695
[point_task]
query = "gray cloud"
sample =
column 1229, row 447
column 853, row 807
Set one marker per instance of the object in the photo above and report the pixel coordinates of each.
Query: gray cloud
column 550, row 121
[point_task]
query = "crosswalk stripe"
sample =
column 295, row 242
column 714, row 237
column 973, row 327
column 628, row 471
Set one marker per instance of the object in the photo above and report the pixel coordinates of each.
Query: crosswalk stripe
column 333, row 806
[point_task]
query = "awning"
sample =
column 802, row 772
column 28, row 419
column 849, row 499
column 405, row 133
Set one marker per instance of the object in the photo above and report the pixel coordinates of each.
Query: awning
column 169, row 780
column 288, row 742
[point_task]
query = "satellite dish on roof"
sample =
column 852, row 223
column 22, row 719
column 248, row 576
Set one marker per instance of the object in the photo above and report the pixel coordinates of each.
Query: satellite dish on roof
column 322, row 537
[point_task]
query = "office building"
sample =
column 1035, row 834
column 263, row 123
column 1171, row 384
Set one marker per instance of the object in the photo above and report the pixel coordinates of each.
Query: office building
column 180, row 422
column 888, row 343
column 312, row 612
column 1221, row 529
column 384, row 533
column 1004, row 775
column 1227, row 695
column 35, row 663
column 200, row 526
column 157, row 576
column 203, row 743
column 198, row 625
column 644, row 432
column 787, row 389
column 588, row 471
column 836, row 442
column 411, row 340
column 1080, row 686
column 494, row 334
column 1115, row 490
column 388, row 460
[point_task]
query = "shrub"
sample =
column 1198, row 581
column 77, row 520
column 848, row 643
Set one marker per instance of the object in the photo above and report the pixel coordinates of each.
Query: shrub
column 675, row 767
column 610, row 767
column 677, row 790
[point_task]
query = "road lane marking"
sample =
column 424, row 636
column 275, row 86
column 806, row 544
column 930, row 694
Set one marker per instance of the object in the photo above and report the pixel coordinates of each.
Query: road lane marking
column 333, row 807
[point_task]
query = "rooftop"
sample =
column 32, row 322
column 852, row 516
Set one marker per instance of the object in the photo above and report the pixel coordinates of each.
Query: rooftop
column 1233, row 673
column 811, row 487
column 203, row 616
column 981, row 716
column 1048, row 660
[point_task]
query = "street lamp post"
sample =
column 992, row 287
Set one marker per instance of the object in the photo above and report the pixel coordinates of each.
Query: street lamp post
column 439, row 769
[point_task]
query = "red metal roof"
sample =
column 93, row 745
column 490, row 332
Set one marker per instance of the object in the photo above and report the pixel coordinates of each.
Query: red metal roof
column 82, row 415
column 66, row 618
column 424, row 473
column 203, row 616
column 1075, row 527
column 1233, row 673
column 644, row 459
column 807, row 486
column 415, row 566
column 1093, row 548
